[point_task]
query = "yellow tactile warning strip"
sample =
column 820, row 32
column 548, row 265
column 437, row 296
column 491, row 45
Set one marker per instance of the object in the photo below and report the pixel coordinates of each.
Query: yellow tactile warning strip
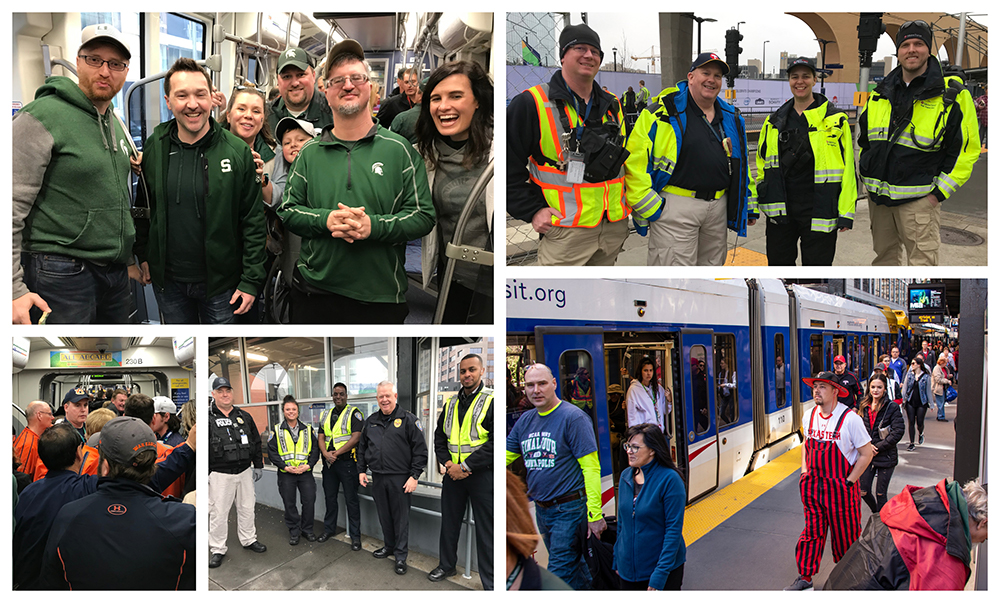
column 703, row 517
column 745, row 257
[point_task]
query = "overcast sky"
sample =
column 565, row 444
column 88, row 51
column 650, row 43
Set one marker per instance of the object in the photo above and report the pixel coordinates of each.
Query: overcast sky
column 785, row 32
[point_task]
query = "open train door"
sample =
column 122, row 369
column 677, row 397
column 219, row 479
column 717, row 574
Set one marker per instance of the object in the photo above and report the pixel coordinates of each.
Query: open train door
column 700, row 420
column 576, row 357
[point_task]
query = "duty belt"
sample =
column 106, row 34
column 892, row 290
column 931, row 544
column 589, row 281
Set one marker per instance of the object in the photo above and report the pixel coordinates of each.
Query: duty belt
column 707, row 195
column 545, row 504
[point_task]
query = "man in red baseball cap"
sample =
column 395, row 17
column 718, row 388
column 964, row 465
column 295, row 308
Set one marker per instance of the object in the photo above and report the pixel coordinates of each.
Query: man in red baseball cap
column 851, row 392
column 836, row 452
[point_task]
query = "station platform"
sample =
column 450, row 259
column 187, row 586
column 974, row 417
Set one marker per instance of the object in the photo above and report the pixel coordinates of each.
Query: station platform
column 743, row 537
column 331, row 565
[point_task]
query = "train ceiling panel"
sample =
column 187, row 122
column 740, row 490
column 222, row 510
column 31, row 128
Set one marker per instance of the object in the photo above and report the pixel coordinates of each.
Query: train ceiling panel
column 374, row 31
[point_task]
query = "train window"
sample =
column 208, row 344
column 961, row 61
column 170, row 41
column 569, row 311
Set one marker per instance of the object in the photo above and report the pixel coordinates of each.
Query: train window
column 779, row 370
column 816, row 365
column 699, row 388
column 727, row 400
column 129, row 25
column 576, row 374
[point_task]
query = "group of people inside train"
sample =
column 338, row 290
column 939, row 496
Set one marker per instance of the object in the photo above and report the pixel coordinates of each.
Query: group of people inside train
column 310, row 178
column 97, row 490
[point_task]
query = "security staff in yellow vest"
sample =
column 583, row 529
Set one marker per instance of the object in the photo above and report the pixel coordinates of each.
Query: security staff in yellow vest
column 805, row 174
column 565, row 153
column 392, row 445
column 339, row 433
column 463, row 444
column 643, row 97
column 292, row 448
column 919, row 141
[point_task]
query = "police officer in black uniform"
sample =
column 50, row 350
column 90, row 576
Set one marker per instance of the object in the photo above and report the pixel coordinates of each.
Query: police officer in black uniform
column 392, row 446
column 340, row 464
column 235, row 446
column 468, row 475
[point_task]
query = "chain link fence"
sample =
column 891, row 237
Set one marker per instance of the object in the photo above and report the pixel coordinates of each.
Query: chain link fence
column 532, row 57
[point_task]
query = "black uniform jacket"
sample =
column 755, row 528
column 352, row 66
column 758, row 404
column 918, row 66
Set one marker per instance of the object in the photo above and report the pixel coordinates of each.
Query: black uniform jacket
column 393, row 444
column 227, row 432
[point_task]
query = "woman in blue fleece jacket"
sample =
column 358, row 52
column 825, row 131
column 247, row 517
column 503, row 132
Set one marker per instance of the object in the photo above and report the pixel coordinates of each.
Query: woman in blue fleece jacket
column 651, row 499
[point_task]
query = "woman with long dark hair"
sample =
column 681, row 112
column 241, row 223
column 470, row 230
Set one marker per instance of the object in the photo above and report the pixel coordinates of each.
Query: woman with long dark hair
column 884, row 422
column 650, row 551
column 455, row 137
column 916, row 397
column 646, row 401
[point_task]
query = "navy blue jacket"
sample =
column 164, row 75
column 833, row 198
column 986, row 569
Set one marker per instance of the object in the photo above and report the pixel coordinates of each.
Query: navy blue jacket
column 652, row 522
column 125, row 536
column 40, row 502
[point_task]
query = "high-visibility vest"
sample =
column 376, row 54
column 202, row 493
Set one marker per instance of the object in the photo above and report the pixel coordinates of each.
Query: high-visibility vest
column 643, row 94
column 923, row 136
column 467, row 435
column 294, row 453
column 582, row 205
column 835, row 188
column 340, row 432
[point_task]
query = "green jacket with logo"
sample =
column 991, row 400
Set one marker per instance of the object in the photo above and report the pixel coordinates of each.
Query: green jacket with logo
column 383, row 173
column 234, row 218
column 70, row 179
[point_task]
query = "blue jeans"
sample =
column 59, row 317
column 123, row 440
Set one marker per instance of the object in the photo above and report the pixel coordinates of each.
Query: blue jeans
column 186, row 303
column 558, row 526
column 78, row 291
column 939, row 400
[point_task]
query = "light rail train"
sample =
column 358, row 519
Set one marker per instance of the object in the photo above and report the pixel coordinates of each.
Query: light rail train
column 732, row 352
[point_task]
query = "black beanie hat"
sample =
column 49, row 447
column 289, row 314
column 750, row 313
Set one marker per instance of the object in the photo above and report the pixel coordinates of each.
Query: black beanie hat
column 579, row 34
column 915, row 29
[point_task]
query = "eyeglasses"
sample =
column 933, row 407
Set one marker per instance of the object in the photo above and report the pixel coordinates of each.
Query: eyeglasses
column 632, row 448
column 97, row 62
column 356, row 78
column 584, row 48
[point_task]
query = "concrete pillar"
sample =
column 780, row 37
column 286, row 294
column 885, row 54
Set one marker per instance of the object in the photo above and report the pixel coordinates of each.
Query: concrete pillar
column 676, row 38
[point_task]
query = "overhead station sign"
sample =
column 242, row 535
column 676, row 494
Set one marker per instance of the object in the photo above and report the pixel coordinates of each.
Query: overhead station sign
column 84, row 359
column 927, row 303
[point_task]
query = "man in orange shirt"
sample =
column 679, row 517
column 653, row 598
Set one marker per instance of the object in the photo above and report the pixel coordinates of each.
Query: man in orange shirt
column 39, row 415
column 141, row 407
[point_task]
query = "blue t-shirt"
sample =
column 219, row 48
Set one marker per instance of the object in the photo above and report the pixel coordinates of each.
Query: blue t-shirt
column 551, row 445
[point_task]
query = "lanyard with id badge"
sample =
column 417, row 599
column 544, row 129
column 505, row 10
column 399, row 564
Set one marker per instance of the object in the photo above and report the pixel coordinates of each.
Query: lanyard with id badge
column 575, row 159
column 727, row 143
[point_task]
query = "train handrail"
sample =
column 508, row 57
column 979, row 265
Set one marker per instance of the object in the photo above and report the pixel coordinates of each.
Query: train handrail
column 455, row 251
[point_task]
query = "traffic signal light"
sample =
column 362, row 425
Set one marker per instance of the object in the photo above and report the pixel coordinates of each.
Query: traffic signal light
column 733, row 50
column 870, row 28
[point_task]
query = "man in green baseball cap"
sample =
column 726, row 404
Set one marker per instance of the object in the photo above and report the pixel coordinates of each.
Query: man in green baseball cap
column 297, row 90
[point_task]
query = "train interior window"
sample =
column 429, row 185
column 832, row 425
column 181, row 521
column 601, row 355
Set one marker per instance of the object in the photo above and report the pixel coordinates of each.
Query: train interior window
column 726, row 399
column 699, row 388
column 779, row 370
column 816, row 365
column 520, row 355
column 576, row 376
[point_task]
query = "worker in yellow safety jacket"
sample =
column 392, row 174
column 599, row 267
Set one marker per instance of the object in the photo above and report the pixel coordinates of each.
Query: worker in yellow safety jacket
column 463, row 445
column 565, row 150
column 919, row 141
column 805, row 174
column 338, row 441
column 293, row 449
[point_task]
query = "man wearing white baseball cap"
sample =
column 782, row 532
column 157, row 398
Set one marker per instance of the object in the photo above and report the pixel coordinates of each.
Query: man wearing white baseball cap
column 163, row 410
column 72, row 229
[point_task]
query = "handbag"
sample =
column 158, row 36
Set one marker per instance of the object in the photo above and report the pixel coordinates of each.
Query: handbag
column 950, row 393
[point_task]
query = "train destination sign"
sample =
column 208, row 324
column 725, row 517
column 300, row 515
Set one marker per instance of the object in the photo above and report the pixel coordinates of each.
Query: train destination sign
column 84, row 359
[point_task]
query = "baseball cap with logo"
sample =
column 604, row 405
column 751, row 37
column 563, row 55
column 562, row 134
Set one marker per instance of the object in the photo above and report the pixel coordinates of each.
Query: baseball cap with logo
column 709, row 57
column 122, row 438
column 801, row 62
column 221, row 382
column 75, row 395
column 295, row 57
column 106, row 34
column 837, row 359
column 290, row 123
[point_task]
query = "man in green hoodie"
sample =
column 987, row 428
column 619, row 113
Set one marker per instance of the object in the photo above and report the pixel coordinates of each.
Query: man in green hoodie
column 355, row 195
column 203, row 245
column 72, row 232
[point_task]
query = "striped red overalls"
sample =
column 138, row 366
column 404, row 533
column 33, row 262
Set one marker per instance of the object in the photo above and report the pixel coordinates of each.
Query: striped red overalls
column 827, row 501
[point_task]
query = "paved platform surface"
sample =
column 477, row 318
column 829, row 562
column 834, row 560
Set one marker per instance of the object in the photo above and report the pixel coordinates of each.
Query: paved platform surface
column 331, row 565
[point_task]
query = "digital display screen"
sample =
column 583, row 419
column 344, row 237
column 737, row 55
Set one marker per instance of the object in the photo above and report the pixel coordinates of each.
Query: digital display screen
column 927, row 299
